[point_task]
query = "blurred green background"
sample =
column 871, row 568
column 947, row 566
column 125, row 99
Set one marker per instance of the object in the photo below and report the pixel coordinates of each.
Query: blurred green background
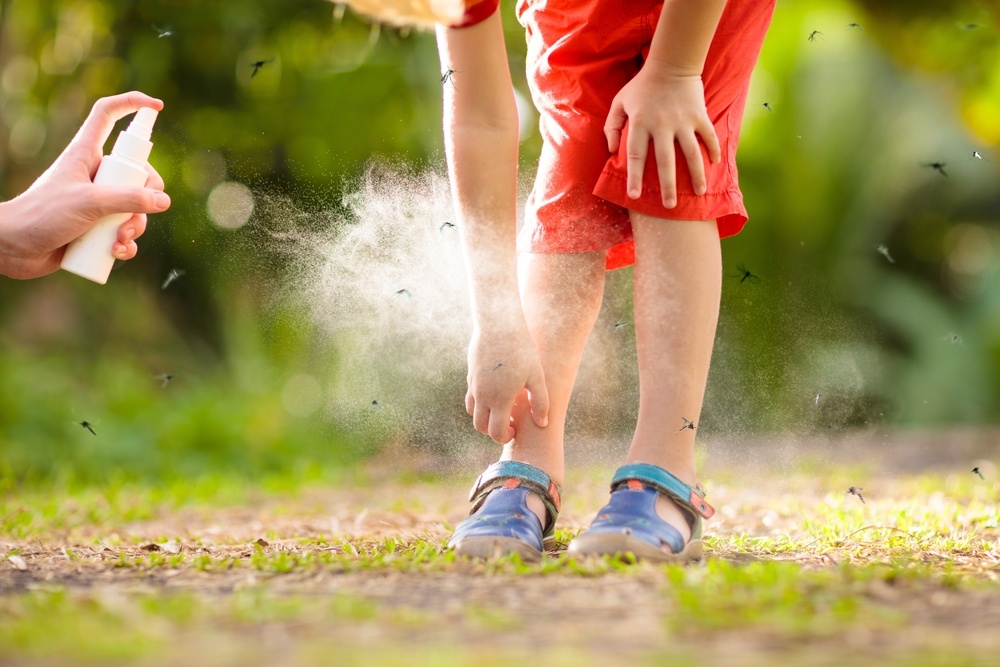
column 261, row 168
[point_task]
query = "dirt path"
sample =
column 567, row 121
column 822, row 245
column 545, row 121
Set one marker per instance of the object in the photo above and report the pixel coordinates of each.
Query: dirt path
column 275, row 547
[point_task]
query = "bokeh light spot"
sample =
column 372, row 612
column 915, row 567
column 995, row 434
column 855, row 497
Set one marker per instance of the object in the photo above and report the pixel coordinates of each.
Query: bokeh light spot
column 230, row 204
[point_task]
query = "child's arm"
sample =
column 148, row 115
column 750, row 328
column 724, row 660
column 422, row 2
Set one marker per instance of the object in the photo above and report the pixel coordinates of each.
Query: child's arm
column 665, row 102
column 481, row 142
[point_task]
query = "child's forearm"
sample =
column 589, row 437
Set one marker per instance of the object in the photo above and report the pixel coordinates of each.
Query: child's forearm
column 683, row 35
column 481, row 143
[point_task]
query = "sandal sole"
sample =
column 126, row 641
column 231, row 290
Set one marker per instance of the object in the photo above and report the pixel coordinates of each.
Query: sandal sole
column 620, row 544
column 496, row 547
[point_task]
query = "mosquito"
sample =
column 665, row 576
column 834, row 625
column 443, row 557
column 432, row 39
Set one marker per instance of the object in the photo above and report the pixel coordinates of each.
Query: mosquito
column 953, row 338
column 376, row 404
column 448, row 75
column 688, row 425
column 499, row 364
column 856, row 491
column 977, row 471
column 816, row 399
column 446, row 225
column 620, row 324
column 884, row 251
column 257, row 65
column 814, row 34
column 936, row 166
column 87, row 425
column 767, row 105
column 163, row 32
column 976, row 155
column 854, row 26
column 165, row 378
column 746, row 274
column 404, row 292
column 171, row 277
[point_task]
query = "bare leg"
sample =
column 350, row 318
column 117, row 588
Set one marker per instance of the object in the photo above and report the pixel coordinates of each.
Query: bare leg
column 561, row 295
column 678, row 285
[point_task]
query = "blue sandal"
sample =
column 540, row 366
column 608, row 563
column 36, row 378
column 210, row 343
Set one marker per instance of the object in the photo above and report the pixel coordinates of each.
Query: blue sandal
column 501, row 522
column 629, row 523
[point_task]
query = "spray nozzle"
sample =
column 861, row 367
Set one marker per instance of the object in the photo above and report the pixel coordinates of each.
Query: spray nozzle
column 142, row 124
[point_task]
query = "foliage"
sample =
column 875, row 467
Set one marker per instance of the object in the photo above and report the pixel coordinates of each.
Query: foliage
column 832, row 168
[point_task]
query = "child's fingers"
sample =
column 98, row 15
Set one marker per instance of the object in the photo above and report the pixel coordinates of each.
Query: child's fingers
column 470, row 403
column 538, row 402
column 499, row 425
column 696, row 166
column 481, row 418
column 636, row 149
column 666, row 169
column 613, row 126
column 711, row 141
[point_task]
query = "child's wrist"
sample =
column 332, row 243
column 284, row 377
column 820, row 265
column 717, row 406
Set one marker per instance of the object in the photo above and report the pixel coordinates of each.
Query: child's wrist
column 673, row 70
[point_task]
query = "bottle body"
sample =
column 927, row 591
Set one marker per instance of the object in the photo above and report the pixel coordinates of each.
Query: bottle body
column 90, row 255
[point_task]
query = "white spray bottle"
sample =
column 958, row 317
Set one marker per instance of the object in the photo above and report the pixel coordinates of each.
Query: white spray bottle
column 90, row 255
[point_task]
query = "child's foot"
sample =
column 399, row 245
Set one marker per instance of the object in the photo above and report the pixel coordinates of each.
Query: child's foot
column 651, row 515
column 505, row 516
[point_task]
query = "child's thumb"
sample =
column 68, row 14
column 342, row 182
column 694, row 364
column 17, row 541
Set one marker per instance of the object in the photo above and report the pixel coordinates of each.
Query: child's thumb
column 538, row 402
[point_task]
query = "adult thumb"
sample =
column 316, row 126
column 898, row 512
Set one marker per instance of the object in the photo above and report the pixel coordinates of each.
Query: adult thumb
column 110, row 199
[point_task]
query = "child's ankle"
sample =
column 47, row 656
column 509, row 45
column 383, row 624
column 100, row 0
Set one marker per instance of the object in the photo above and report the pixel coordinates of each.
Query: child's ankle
column 536, row 505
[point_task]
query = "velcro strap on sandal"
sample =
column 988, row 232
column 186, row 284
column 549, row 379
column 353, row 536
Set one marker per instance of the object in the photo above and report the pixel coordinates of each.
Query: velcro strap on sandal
column 529, row 476
column 665, row 482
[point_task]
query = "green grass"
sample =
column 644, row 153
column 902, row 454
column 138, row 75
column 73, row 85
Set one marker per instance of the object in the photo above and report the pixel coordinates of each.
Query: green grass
column 134, row 573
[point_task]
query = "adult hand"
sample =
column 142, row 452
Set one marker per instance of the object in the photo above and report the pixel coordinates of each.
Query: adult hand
column 64, row 202
column 501, row 366
column 662, row 107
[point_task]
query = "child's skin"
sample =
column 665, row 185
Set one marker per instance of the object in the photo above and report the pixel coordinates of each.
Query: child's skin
column 63, row 203
column 538, row 333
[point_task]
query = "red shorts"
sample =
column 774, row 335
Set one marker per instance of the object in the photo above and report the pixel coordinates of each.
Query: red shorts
column 580, row 54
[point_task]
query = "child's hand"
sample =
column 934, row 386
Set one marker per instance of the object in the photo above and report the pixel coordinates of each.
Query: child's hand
column 662, row 107
column 502, row 364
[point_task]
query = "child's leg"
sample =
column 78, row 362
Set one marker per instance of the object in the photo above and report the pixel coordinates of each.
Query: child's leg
column 561, row 294
column 678, row 285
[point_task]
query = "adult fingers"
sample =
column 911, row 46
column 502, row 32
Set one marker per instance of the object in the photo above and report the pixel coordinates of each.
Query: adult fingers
column 470, row 403
column 107, row 111
column 132, row 228
column 154, row 180
column 613, row 126
column 107, row 199
column 636, row 149
column 125, row 250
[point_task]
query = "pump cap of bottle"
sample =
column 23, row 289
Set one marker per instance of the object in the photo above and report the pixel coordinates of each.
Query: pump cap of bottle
column 142, row 124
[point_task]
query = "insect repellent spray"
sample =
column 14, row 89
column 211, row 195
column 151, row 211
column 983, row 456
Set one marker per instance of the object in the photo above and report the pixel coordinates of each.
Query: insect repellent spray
column 90, row 255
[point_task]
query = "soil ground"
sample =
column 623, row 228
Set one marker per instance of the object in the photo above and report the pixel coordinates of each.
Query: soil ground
column 949, row 607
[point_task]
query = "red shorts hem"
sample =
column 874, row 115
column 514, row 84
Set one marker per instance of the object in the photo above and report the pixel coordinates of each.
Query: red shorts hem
column 709, row 206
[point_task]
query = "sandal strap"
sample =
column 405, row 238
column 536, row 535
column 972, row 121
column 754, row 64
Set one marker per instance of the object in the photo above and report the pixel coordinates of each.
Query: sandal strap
column 535, row 479
column 692, row 498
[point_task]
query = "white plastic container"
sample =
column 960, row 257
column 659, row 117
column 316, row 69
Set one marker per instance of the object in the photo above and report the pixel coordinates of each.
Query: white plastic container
column 90, row 255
